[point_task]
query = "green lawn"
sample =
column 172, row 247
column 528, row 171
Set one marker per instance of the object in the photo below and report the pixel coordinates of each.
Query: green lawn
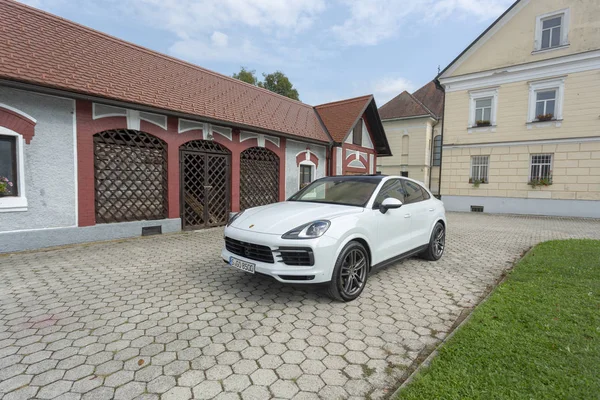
column 536, row 337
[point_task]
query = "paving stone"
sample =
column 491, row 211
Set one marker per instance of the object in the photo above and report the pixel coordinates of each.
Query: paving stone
column 256, row 393
column 162, row 315
column 161, row 384
column 86, row 384
column 207, row 390
column 54, row 389
column 190, row 378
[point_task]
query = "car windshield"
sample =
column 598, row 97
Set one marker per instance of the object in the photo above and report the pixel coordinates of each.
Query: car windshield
column 349, row 192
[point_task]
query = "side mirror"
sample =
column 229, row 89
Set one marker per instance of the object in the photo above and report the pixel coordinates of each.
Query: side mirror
column 389, row 203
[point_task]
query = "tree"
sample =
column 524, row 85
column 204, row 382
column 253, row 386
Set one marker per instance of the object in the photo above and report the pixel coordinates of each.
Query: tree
column 276, row 82
column 279, row 83
column 246, row 76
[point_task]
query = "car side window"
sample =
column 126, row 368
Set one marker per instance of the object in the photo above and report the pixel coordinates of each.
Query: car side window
column 414, row 192
column 392, row 188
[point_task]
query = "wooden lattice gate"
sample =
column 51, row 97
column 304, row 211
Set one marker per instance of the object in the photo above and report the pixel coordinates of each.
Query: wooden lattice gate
column 259, row 177
column 130, row 176
column 205, row 172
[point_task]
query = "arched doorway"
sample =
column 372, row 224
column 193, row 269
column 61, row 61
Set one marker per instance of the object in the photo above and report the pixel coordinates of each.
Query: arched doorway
column 130, row 174
column 205, row 176
column 259, row 177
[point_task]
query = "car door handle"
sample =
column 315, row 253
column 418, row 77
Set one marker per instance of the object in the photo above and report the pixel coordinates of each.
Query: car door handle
column 406, row 215
column 432, row 209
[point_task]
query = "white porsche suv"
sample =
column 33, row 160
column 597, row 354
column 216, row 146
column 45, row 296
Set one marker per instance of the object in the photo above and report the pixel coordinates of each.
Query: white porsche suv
column 337, row 230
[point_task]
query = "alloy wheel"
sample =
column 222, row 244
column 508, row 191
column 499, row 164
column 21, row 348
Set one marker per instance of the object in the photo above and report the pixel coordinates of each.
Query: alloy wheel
column 354, row 272
column 439, row 241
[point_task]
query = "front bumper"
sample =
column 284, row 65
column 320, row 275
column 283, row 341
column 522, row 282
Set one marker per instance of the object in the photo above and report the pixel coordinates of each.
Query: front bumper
column 323, row 248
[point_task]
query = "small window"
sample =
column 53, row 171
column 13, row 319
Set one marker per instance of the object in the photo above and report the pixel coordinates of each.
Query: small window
column 541, row 167
column 392, row 188
column 437, row 151
column 545, row 104
column 305, row 175
column 551, row 32
column 546, row 100
column 8, row 166
column 483, row 110
column 404, row 174
column 357, row 133
column 479, row 169
column 414, row 192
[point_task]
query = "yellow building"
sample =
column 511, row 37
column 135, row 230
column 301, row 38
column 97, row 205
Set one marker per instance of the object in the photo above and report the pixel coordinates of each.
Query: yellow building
column 413, row 126
column 522, row 114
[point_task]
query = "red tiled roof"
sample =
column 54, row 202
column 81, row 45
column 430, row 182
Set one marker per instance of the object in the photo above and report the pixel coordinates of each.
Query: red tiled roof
column 428, row 100
column 42, row 49
column 341, row 116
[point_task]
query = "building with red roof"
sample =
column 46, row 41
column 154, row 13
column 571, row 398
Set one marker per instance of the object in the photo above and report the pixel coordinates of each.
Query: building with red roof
column 102, row 139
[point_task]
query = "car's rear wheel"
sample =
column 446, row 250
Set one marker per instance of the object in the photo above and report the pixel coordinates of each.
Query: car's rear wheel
column 437, row 243
column 350, row 273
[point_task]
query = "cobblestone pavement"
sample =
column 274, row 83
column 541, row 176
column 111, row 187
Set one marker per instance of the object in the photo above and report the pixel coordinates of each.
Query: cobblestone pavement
column 163, row 317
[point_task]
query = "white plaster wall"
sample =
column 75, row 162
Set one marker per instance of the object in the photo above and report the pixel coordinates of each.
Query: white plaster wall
column 49, row 163
column 292, row 148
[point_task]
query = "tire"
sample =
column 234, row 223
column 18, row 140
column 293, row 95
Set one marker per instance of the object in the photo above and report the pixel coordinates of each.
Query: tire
column 437, row 243
column 352, row 255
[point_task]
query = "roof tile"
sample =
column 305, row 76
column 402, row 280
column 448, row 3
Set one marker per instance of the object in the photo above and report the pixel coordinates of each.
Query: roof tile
column 42, row 49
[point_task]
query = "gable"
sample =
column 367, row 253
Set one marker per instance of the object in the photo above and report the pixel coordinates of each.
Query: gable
column 511, row 39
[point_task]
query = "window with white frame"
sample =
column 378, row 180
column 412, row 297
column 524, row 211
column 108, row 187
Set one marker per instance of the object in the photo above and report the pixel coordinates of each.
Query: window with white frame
column 8, row 166
column 483, row 110
column 479, row 169
column 306, row 175
column 484, row 105
column 541, row 167
column 545, row 100
column 12, row 182
column 552, row 30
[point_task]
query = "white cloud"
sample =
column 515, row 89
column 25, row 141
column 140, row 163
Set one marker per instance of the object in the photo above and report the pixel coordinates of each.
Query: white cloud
column 186, row 18
column 372, row 21
column 219, row 39
column 387, row 88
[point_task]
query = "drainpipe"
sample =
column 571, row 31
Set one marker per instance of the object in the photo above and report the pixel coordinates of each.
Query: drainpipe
column 442, row 133
column 431, row 150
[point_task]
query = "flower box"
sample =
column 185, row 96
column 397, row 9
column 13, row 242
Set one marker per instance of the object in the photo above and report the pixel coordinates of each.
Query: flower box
column 483, row 123
column 545, row 117
column 6, row 187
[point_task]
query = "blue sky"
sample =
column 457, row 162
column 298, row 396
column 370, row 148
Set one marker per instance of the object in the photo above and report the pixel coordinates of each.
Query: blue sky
column 330, row 49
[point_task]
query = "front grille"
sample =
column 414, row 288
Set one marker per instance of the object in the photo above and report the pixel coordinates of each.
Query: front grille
column 249, row 250
column 297, row 256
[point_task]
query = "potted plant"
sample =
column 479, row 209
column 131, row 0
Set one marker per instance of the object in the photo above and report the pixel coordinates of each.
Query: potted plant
column 6, row 187
column 482, row 123
column 545, row 117
column 539, row 182
column 476, row 182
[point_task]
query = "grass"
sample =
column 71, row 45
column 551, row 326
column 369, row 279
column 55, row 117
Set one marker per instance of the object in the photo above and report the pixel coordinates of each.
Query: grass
column 537, row 336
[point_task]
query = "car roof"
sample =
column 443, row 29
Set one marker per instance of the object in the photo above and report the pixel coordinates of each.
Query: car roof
column 366, row 178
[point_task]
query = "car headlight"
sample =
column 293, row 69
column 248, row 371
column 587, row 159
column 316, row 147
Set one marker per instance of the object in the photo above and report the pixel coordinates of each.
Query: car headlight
column 311, row 230
column 234, row 218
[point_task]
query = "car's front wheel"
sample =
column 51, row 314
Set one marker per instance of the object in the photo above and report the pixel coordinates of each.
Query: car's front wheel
column 437, row 243
column 350, row 273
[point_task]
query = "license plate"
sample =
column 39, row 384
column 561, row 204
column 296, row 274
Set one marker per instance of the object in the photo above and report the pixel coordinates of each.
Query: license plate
column 243, row 265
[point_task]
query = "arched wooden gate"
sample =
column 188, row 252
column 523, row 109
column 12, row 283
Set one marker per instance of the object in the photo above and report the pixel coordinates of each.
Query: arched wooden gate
column 205, row 176
column 259, row 177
